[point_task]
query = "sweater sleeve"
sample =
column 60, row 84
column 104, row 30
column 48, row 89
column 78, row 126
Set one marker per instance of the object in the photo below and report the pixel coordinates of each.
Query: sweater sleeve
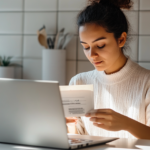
column 80, row 125
column 147, row 104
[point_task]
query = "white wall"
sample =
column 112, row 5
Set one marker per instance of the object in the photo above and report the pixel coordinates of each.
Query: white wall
column 20, row 20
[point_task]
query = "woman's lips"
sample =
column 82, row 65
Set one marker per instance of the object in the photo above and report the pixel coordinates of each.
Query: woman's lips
column 97, row 63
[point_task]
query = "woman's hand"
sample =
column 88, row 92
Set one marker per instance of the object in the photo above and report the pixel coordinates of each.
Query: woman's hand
column 71, row 120
column 108, row 119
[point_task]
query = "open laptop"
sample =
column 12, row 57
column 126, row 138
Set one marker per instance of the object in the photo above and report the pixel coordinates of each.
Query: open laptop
column 31, row 114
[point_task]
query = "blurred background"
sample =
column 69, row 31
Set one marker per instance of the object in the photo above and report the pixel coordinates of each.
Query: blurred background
column 20, row 20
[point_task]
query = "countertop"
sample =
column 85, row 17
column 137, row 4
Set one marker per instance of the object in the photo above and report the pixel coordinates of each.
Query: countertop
column 119, row 144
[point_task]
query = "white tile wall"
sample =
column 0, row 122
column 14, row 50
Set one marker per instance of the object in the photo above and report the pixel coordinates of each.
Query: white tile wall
column 18, row 72
column 132, row 51
column 71, row 70
column 71, row 5
column 84, row 66
column 11, row 45
column 132, row 16
column 70, row 25
column 32, row 69
column 144, row 48
column 144, row 23
column 135, row 5
column 11, row 5
column 31, row 47
column 71, row 49
column 40, row 5
column 145, row 65
column 18, row 67
column 144, row 4
column 20, row 20
column 35, row 20
column 11, row 23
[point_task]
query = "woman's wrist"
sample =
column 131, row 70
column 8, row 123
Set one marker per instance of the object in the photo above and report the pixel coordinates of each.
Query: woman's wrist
column 128, row 123
column 137, row 129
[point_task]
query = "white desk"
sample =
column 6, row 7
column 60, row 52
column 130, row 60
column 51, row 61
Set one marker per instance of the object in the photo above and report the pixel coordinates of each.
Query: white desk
column 119, row 144
column 122, row 144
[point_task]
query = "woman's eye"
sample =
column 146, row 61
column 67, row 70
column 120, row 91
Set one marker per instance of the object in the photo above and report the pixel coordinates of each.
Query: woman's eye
column 86, row 48
column 101, row 47
column 97, row 46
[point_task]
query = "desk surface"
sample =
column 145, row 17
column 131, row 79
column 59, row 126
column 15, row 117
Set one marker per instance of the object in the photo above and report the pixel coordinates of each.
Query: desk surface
column 119, row 144
column 122, row 144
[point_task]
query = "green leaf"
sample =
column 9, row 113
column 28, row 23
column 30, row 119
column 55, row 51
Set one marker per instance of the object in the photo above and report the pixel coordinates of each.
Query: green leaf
column 5, row 61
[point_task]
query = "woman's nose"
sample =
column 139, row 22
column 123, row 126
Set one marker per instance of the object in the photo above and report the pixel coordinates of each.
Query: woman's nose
column 92, row 53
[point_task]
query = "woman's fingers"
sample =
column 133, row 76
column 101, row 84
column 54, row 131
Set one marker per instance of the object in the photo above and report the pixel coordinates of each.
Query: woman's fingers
column 108, row 111
column 71, row 120
column 100, row 115
column 100, row 121
column 108, row 119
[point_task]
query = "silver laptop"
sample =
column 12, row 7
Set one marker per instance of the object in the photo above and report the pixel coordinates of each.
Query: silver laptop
column 31, row 114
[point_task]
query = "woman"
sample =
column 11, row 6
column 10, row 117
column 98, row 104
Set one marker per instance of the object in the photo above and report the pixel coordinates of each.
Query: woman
column 121, row 86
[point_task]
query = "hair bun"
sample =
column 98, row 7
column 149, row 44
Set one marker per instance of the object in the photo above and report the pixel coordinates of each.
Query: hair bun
column 125, row 4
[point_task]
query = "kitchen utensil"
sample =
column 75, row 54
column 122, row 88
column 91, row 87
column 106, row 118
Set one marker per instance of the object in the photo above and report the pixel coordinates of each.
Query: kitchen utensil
column 53, row 40
column 50, row 43
column 43, row 41
column 63, row 41
column 57, row 38
column 42, row 37
column 69, row 37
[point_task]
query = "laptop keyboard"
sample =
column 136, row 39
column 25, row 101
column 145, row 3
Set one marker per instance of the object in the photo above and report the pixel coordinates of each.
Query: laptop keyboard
column 80, row 142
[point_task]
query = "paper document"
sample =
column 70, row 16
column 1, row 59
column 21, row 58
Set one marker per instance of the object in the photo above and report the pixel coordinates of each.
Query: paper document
column 77, row 100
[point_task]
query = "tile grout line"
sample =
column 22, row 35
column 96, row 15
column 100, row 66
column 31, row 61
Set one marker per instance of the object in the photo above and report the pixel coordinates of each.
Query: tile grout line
column 23, row 21
column 57, row 17
column 16, row 34
column 138, row 30
column 39, row 11
column 13, row 34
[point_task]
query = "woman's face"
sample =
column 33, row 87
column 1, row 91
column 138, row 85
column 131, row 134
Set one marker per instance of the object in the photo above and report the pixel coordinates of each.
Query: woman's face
column 100, row 47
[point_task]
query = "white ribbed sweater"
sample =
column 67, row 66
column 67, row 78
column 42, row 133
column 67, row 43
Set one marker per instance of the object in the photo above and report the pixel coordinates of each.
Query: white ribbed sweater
column 126, row 92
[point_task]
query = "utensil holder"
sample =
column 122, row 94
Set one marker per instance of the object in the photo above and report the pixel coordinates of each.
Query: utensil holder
column 54, row 65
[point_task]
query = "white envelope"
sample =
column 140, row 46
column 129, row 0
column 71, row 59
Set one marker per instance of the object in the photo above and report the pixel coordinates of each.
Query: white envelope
column 77, row 100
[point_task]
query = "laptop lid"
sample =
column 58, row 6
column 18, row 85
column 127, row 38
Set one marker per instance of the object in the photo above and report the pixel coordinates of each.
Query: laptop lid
column 31, row 113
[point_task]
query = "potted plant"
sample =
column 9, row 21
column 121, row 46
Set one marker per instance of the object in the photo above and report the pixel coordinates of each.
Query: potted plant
column 6, row 70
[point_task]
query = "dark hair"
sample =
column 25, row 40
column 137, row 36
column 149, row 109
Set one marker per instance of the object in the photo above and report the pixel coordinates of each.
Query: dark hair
column 108, row 14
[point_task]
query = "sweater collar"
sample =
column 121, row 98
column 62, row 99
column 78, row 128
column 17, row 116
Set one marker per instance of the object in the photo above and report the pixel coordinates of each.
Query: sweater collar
column 116, row 77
